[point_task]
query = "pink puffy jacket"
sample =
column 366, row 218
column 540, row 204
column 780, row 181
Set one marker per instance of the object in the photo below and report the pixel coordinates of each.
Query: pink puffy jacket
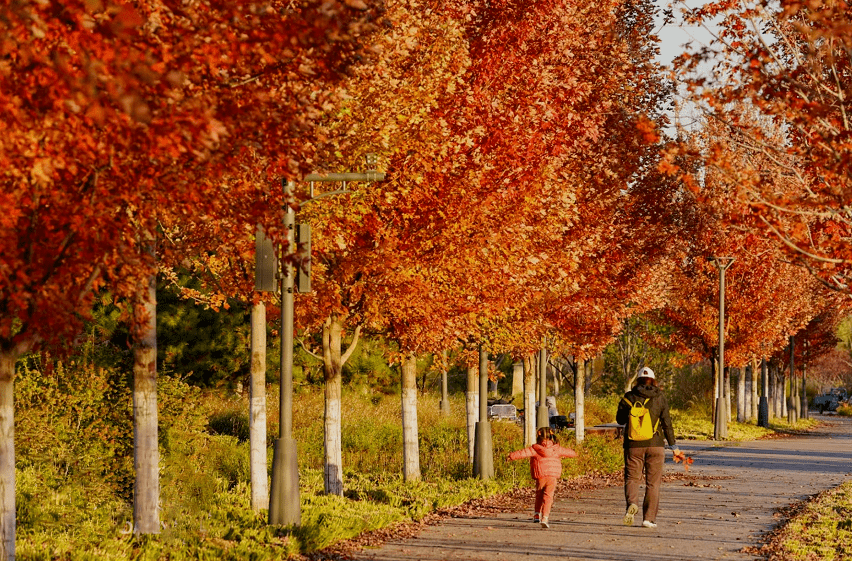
column 545, row 458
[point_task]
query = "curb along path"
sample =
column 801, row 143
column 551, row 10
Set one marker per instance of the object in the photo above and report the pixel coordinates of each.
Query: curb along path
column 731, row 505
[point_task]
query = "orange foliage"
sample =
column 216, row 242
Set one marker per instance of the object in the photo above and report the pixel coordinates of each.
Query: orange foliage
column 790, row 66
column 516, row 141
column 118, row 119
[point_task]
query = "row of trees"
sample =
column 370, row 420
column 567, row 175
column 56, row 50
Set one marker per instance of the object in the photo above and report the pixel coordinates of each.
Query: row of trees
column 529, row 197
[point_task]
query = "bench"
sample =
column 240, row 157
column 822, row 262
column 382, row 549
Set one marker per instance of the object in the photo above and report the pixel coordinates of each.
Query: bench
column 611, row 429
column 503, row 412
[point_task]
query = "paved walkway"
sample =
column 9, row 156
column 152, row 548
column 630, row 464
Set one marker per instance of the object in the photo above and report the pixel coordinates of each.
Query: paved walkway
column 702, row 519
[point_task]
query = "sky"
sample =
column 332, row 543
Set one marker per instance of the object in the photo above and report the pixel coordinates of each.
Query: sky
column 674, row 35
column 675, row 38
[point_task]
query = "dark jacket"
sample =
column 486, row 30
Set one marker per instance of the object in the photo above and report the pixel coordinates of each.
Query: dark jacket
column 659, row 409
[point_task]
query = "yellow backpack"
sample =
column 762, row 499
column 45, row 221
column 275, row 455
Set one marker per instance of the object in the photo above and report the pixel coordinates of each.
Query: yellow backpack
column 640, row 426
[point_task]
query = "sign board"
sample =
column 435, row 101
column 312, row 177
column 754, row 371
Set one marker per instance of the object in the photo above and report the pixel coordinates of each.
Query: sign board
column 265, row 263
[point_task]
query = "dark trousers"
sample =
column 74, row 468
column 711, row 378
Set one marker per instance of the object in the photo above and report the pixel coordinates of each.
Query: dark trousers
column 647, row 462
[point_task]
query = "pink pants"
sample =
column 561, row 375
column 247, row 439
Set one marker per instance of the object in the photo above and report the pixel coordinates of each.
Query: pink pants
column 545, row 489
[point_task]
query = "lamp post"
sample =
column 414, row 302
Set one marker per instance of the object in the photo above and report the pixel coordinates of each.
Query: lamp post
column 483, row 455
column 284, row 507
column 720, row 429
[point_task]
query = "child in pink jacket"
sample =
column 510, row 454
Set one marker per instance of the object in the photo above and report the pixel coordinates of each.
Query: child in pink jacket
column 546, row 467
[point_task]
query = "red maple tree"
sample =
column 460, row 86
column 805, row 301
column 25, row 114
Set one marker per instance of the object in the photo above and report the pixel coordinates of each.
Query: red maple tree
column 119, row 120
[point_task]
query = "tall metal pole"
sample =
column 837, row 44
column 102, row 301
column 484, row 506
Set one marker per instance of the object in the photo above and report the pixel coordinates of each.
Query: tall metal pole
column 284, row 507
column 720, row 430
column 483, row 455
column 483, row 385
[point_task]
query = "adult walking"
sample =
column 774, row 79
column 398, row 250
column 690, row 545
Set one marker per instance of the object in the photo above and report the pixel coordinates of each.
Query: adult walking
column 645, row 413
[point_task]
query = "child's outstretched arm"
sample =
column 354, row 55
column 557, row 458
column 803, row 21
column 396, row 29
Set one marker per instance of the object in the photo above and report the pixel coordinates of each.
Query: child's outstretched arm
column 521, row 454
column 567, row 452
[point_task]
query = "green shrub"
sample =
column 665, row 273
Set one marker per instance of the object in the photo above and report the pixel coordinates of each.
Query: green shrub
column 597, row 453
column 71, row 428
column 844, row 409
column 601, row 410
column 446, row 450
column 231, row 422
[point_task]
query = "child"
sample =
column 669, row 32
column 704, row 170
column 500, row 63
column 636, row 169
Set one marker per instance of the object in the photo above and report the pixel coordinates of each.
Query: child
column 546, row 467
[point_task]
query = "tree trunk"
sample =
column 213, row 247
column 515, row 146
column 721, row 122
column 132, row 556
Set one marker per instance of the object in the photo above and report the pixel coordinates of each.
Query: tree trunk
column 410, row 445
column 797, row 398
column 755, row 385
column 774, row 408
column 7, row 454
column 770, row 389
column 257, row 410
column 333, row 440
column 333, row 360
column 445, row 397
column 728, row 394
column 791, row 407
column 472, row 407
column 748, row 384
column 579, row 402
column 529, row 401
column 794, row 394
column 517, row 378
column 590, row 376
column 146, row 510
column 714, row 364
column 741, row 395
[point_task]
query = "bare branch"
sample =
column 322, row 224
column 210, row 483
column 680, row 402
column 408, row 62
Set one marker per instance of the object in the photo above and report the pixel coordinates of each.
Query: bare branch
column 352, row 345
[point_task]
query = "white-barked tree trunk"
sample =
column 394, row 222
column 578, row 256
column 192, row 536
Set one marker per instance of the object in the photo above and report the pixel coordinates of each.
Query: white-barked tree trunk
column 471, row 402
column 257, row 410
column 410, row 436
column 146, row 500
column 333, row 361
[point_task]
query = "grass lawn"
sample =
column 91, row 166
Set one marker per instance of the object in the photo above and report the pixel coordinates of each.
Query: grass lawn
column 819, row 530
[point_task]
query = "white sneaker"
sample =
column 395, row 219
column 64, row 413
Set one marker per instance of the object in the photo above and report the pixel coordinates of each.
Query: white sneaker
column 544, row 523
column 631, row 512
column 649, row 524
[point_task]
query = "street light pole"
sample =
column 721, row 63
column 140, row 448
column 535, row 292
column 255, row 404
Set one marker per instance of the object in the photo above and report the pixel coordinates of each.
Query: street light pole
column 483, row 455
column 720, row 430
column 284, row 507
